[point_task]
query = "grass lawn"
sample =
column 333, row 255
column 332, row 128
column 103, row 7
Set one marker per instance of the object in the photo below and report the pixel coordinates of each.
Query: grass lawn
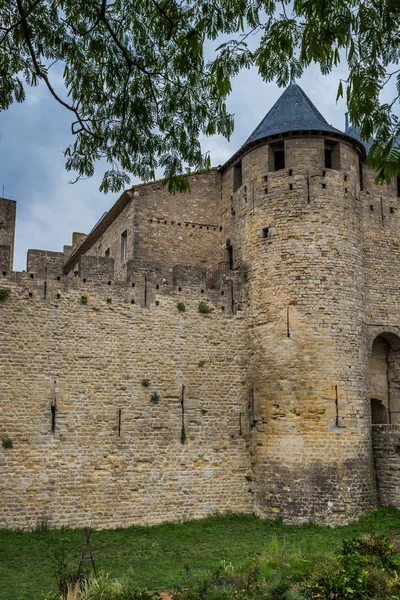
column 159, row 556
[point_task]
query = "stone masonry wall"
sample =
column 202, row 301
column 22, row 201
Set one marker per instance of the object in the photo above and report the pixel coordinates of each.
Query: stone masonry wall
column 115, row 455
column 167, row 230
column 386, row 441
column 298, row 234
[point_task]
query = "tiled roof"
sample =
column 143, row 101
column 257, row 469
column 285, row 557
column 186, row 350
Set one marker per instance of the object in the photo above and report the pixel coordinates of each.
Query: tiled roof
column 293, row 111
column 354, row 132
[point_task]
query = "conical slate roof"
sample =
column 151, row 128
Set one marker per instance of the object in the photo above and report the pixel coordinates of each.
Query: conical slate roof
column 356, row 133
column 293, row 111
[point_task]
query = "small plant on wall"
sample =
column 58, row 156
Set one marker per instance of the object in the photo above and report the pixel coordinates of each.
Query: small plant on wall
column 183, row 435
column 84, row 299
column 7, row 443
column 155, row 398
column 145, row 383
column 4, row 294
column 181, row 306
column 204, row 308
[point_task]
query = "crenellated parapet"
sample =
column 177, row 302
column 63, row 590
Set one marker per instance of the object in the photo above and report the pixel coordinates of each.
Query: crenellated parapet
column 145, row 287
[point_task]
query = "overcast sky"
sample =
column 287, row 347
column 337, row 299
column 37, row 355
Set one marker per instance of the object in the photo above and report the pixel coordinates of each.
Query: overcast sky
column 34, row 135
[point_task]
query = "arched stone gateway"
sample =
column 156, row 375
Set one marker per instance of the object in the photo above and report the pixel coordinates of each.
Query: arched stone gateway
column 384, row 378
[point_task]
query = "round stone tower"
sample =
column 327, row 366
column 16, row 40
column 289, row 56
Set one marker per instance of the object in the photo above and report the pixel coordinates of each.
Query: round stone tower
column 292, row 218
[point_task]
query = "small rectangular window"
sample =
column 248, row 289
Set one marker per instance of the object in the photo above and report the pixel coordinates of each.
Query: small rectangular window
column 124, row 246
column 237, row 176
column 279, row 159
column 266, row 232
column 332, row 155
column 328, row 158
column 107, row 253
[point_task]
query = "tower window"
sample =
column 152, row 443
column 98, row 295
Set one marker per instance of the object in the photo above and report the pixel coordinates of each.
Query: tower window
column 328, row 158
column 332, row 155
column 124, row 246
column 279, row 158
column 107, row 253
column 237, row 176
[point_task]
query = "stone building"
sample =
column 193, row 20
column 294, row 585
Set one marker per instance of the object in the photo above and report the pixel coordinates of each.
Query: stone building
column 236, row 348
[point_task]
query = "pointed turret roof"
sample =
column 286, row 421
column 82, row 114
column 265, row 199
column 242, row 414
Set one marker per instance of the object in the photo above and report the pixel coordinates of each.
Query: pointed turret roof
column 293, row 111
column 293, row 114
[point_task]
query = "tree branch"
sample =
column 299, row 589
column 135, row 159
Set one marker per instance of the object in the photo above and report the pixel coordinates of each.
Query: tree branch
column 12, row 27
column 42, row 75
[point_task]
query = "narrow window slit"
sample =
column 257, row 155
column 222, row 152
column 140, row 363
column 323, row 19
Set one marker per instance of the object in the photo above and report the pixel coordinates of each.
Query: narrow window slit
column 119, row 421
column 53, row 416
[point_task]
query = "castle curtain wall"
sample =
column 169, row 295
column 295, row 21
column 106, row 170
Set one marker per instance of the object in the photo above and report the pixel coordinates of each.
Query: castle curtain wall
column 93, row 444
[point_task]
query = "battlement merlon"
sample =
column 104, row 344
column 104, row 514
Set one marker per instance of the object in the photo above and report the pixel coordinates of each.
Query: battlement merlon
column 8, row 210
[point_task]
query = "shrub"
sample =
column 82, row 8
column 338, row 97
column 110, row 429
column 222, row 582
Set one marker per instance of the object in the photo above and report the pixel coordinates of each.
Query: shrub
column 7, row 443
column 376, row 545
column 101, row 587
column 4, row 294
column 201, row 363
column 365, row 569
column 155, row 398
column 204, row 308
column 84, row 299
column 145, row 383
column 181, row 306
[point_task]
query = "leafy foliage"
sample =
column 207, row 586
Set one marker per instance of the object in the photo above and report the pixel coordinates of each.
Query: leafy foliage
column 141, row 91
column 7, row 443
column 181, row 306
column 155, row 398
column 365, row 570
column 145, row 383
column 84, row 299
column 204, row 308
column 4, row 294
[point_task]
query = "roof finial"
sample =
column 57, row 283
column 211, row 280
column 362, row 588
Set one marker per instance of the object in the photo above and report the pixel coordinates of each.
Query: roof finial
column 346, row 121
column 293, row 80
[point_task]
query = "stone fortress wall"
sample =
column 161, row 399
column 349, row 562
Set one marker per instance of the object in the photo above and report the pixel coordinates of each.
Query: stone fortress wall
column 91, row 444
column 288, row 391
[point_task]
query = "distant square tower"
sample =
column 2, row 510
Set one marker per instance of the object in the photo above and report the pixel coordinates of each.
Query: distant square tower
column 7, row 232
